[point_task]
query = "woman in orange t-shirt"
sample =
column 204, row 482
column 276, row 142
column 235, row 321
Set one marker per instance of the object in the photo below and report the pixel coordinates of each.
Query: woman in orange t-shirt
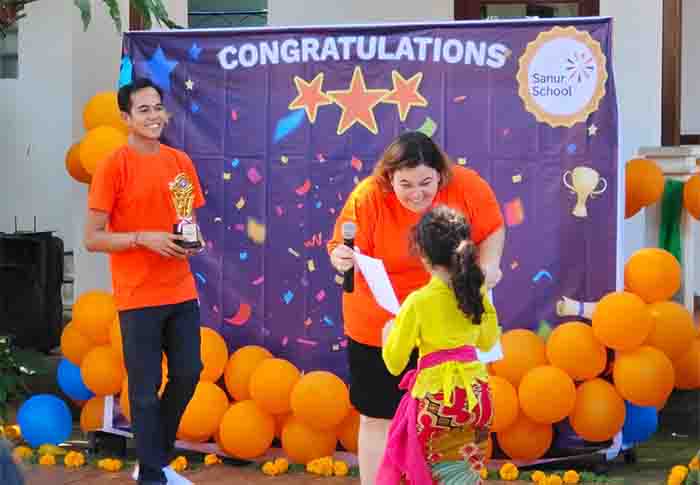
column 412, row 176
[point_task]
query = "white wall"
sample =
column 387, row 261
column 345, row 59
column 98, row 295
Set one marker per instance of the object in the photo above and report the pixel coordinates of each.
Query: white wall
column 637, row 62
column 320, row 12
column 690, row 87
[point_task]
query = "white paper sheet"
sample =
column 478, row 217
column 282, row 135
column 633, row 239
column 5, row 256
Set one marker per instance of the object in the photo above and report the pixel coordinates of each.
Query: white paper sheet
column 379, row 284
column 378, row 281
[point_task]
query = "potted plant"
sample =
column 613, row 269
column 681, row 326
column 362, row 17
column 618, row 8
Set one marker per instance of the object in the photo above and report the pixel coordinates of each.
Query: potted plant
column 17, row 366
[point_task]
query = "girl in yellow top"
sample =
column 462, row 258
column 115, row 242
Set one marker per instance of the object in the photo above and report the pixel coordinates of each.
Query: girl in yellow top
column 439, row 432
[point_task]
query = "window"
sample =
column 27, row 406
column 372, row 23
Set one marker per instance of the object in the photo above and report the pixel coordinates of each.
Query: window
column 8, row 54
column 214, row 14
column 504, row 9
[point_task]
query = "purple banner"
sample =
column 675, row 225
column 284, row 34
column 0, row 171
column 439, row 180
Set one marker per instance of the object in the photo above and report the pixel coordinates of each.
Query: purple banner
column 282, row 123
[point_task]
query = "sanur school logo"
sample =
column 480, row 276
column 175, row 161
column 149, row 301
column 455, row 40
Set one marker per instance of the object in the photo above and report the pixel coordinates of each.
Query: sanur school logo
column 562, row 76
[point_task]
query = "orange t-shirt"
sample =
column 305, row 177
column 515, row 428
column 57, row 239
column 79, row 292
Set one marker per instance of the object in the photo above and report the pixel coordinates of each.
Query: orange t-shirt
column 383, row 231
column 133, row 189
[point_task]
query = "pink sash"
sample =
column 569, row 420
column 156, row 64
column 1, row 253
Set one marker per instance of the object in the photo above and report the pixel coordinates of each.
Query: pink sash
column 404, row 454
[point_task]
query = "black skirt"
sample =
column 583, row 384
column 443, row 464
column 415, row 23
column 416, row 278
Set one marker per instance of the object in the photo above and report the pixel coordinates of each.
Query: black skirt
column 374, row 391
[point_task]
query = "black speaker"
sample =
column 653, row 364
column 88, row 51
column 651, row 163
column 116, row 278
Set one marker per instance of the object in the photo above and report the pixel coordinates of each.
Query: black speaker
column 31, row 277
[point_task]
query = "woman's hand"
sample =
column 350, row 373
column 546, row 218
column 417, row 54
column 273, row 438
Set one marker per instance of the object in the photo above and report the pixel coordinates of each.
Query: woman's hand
column 342, row 258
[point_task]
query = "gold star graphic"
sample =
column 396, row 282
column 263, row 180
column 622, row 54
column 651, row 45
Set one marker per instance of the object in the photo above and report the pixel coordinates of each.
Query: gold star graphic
column 189, row 84
column 405, row 93
column 310, row 96
column 357, row 103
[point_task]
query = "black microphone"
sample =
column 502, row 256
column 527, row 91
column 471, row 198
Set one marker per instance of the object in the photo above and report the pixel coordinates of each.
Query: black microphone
column 349, row 229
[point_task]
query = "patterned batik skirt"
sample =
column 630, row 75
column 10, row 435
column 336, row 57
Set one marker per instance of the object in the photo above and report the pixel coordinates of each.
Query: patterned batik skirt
column 454, row 438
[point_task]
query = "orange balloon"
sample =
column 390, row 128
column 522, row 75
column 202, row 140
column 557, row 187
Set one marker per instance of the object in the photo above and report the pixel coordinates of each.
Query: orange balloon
column 522, row 350
column 599, row 412
column 691, row 196
column 673, row 331
column 644, row 376
column 348, row 431
column 321, row 400
column 302, row 443
column 246, row 431
column 93, row 314
column 653, row 273
column 574, row 349
column 214, row 354
column 547, row 394
column 525, row 439
column 102, row 109
column 505, row 403
column 115, row 338
column 75, row 167
column 644, row 184
column 687, row 367
column 280, row 421
column 203, row 413
column 102, row 371
column 74, row 345
column 621, row 320
column 98, row 144
column 240, row 367
column 271, row 385
column 92, row 414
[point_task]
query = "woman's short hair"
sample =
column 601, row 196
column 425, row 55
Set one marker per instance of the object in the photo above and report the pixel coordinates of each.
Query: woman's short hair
column 411, row 150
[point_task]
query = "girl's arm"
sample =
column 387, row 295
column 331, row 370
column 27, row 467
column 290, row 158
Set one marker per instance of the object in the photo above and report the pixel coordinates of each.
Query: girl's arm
column 490, row 329
column 401, row 339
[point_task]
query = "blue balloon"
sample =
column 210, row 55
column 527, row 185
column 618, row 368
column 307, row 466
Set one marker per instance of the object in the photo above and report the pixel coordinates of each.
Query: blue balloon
column 71, row 381
column 44, row 419
column 640, row 423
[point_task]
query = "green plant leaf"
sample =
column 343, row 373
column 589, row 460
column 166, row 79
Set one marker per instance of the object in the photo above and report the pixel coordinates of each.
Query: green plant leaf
column 114, row 12
column 544, row 329
column 85, row 11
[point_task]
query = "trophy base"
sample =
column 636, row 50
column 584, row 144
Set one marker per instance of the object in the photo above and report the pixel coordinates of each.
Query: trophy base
column 190, row 241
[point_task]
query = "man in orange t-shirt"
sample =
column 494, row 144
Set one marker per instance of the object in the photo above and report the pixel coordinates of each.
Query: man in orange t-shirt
column 131, row 217
column 412, row 176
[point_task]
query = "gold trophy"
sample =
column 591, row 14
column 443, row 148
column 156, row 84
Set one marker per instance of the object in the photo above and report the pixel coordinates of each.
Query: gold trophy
column 182, row 195
column 584, row 183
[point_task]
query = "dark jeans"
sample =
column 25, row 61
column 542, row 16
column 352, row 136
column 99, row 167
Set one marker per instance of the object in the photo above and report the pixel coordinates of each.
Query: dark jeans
column 10, row 473
column 146, row 333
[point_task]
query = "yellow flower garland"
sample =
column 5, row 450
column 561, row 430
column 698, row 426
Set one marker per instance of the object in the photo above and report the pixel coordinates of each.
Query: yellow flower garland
column 110, row 464
column 21, row 453
column 179, row 464
column 328, row 467
column 47, row 460
column 509, row 472
column 538, row 476
column 571, row 477
column 74, row 459
column 212, row 459
column 276, row 467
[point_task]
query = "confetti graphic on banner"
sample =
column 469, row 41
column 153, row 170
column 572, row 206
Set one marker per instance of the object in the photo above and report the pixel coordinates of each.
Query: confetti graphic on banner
column 256, row 231
column 288, row 124
column 429, row 127
column 514, row 212
column 242, row 316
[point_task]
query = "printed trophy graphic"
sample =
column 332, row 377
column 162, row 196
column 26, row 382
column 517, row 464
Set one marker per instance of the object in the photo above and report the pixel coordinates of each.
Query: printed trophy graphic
column 182, row 195
column 584, row 183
